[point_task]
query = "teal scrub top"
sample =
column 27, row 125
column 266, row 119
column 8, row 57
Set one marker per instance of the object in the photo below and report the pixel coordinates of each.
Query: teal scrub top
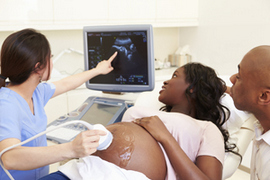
column 17, row 121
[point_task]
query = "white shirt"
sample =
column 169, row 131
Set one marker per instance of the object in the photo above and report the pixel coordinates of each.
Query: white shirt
column 260, row 161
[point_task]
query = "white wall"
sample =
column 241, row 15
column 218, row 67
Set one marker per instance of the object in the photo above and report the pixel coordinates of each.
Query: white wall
column 227, row 30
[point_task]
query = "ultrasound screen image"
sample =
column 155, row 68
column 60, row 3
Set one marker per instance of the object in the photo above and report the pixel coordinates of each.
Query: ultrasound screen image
column 130, row 65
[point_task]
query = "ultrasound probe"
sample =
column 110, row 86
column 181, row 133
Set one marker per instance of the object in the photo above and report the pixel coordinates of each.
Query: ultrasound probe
column 104, row 141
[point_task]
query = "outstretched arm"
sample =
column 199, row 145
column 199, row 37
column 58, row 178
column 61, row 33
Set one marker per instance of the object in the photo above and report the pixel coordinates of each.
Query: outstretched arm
column 74, row 81
column 206, row 167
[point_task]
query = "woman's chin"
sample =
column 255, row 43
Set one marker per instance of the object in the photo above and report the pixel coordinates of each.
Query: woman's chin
column 160, row 98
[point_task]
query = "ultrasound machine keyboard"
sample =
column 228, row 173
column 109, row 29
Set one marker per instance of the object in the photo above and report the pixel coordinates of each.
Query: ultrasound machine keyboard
column 64, row 133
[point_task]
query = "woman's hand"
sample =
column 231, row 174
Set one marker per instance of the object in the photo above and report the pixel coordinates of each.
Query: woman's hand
column 104, row 67
column 86, row 143
column 154, row 126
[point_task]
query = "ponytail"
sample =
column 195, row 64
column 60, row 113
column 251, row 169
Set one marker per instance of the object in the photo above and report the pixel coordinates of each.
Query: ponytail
column 2, row 81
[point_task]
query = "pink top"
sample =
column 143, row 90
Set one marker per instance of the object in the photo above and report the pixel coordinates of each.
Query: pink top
column 195, row 137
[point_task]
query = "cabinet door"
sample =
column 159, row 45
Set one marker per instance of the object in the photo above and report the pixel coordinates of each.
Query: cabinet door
column 80, row 11
column 139, row 11
column 181, row 11
column 74, row 14
column 14, row 13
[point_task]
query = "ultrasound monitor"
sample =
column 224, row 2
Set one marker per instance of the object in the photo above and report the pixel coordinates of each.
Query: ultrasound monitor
column 134, row 64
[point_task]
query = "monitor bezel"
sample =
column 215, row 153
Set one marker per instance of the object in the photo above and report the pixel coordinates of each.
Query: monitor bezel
column 150, row 56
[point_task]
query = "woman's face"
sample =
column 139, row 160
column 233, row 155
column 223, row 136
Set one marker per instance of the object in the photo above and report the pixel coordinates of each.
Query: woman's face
column 173, row 90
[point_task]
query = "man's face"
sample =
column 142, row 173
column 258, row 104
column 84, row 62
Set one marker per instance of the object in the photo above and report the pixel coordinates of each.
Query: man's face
column 243, row 90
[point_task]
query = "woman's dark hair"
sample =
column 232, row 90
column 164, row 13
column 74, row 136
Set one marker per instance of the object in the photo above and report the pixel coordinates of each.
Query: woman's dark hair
column 20, row 52
column 204, row 93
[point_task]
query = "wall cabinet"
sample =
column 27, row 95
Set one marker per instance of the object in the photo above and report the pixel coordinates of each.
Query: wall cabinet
column 173, row 12
column 74, row 14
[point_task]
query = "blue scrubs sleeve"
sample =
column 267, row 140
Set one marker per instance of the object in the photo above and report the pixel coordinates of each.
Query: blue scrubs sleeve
column 10, row 125
column 46, row 90
column 17, row 121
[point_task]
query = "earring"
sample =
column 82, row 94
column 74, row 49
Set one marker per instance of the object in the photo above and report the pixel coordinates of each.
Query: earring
column 40, row 79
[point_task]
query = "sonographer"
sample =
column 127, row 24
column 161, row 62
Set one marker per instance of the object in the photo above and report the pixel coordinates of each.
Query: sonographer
column 26, row 61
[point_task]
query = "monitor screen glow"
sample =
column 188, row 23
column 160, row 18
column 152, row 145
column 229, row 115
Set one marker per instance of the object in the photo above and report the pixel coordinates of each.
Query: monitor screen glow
column 134, row 64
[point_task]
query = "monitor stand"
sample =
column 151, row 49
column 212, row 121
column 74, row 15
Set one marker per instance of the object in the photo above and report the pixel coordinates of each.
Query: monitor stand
column 117, row 93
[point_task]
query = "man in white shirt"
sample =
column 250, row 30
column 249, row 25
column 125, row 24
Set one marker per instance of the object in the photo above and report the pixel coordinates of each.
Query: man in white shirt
column 251, row 92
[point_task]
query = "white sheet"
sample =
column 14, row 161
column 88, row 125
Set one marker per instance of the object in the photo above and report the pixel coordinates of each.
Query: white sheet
column 92, row 167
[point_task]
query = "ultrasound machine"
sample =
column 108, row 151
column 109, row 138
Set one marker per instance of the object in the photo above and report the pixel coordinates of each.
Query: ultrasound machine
column 133, row 72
